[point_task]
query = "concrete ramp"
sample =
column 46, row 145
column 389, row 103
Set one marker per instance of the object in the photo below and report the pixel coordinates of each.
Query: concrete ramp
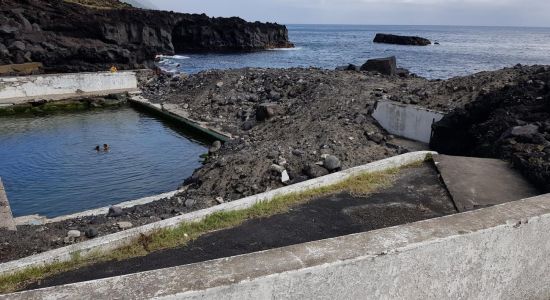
column 480, row 182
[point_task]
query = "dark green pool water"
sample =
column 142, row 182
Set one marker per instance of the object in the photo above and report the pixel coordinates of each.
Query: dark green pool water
column 49, row 165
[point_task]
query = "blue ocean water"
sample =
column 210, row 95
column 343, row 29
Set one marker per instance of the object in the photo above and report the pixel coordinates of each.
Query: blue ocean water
column 49, row 165
column 462, row 50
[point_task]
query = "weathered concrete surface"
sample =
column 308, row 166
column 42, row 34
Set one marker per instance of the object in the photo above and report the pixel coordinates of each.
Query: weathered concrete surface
column 16, row 90
column 6, row 217
column 480, row 182
column 409, row 121
column 501, row 252
column 113, row 241
column 175, row 112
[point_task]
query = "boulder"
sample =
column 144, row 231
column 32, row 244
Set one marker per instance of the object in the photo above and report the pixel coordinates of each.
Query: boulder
column 73, row 234
column 115, row 211
column 350, row 67
column 386, row 66
column 375, row 137
column 248, row 125
column 189, row 203
column 314, row 171
column 266, row 111
column 4, row 50
column 332, row 163
column 524, row 131
column 277, row 168
column 17, row 46
column 91, row 232
column 125, row 225
column 401, row 40
column 274, row 96
column 216, row 146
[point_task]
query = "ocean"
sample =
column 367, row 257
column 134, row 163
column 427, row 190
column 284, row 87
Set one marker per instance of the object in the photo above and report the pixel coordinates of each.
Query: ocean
column 462, row 50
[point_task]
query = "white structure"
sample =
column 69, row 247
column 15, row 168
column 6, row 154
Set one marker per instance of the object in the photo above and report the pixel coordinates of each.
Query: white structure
column 407, row 121
column 15, row 90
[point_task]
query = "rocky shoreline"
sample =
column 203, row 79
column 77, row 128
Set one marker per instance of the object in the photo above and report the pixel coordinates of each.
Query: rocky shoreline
column 69, row 37
column 290, row 125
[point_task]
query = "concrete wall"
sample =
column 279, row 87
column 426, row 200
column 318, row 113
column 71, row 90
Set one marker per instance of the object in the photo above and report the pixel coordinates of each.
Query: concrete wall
column 407, row 121
column 15, row 90
column 501, row 252
column 6, row 217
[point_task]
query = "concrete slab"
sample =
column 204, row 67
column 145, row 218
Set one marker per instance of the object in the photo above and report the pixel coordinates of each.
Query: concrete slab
column 176, row 113
column 6, row 217
column 481, row 182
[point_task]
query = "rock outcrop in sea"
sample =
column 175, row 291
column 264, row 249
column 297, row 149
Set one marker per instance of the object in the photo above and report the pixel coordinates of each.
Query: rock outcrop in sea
column 401, row 40
column 68, row 37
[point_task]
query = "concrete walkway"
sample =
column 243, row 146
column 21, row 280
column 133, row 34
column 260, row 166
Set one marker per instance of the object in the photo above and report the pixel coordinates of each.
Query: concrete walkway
column 480, row 182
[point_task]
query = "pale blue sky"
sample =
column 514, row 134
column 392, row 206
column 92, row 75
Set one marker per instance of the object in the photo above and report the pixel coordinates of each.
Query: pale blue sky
column 376, row 12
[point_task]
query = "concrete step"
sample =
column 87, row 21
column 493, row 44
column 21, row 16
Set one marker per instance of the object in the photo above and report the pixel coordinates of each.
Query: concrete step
column 481, row 182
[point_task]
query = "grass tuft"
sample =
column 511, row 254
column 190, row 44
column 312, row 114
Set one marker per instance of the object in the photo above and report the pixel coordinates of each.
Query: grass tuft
column 363, row 184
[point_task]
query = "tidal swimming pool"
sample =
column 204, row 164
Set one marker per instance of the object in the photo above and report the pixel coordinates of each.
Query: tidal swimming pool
column 50, row 167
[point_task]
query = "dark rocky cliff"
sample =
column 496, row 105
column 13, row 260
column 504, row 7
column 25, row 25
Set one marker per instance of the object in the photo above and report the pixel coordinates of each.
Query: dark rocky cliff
column 69, row 37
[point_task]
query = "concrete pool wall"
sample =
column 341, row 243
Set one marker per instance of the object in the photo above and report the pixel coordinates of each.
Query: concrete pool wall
column 22, row 89
column 6, row 217
column 408, row 121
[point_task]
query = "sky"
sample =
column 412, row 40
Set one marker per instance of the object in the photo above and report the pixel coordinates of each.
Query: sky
column 373, row 12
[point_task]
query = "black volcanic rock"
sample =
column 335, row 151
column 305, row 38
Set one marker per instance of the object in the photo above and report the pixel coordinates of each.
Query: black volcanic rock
column 401, row 40
column 68, row 37
column 510, row 123
column 386, row 66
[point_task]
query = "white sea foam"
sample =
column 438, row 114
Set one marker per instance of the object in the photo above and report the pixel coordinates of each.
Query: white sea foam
column 172, row 57
column 286, row 49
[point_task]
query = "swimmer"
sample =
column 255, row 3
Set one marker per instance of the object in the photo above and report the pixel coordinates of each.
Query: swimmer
column 105, row 147
column 97, row 148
